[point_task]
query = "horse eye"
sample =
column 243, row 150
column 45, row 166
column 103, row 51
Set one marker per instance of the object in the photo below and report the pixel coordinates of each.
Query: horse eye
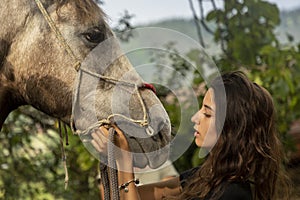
column 95, row 36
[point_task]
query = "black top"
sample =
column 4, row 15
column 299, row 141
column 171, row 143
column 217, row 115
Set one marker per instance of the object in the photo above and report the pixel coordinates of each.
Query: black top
column 233, row 191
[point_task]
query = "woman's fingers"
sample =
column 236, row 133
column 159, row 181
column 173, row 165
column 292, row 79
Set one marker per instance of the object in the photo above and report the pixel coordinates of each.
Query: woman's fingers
column 96, row 146
column 103, row 131
column 100, row 139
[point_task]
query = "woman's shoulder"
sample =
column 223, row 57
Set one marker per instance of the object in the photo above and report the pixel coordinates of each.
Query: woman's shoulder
column 237, row 191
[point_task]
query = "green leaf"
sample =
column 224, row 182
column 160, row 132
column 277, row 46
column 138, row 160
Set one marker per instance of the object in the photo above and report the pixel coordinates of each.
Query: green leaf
column 213, row 15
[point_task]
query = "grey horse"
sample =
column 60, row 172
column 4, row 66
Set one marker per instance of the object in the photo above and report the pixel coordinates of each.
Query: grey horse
column 36, row 70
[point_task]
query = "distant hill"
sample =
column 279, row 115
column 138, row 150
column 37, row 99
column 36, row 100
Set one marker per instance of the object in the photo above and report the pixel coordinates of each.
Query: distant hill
column 187, row 27
column 290, row 23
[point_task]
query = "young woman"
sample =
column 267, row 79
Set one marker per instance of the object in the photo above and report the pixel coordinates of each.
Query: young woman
column 245, row 154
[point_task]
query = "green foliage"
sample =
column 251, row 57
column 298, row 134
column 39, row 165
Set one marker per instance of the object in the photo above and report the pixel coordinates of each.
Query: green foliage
column 246, row 30
column 279, row 72
column 31, row 165
column 124, row 27
column 244, row 27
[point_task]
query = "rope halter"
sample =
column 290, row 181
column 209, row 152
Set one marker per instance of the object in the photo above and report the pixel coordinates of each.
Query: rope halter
column 77, row 65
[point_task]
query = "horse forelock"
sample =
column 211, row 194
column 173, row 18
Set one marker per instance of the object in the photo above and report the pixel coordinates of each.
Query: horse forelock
column 86, row 10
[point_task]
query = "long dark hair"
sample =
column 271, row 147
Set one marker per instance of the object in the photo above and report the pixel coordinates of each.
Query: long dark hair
column 248, row 148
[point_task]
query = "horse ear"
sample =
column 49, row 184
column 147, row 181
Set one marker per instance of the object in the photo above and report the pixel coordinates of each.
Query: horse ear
column 4, row 48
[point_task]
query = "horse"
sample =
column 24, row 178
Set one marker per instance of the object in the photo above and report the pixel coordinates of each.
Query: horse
column 36, row 69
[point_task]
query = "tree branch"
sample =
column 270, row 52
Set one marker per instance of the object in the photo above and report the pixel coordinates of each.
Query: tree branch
column 202, row 17
column 196, row 20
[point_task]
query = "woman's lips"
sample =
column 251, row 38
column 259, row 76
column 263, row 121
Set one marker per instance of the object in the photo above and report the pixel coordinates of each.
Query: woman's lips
column 196, row 134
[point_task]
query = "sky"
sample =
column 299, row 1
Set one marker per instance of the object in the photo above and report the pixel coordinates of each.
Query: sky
column 146, row 11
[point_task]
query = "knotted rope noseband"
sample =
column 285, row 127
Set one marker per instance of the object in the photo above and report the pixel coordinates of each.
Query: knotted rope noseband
column 143, row 122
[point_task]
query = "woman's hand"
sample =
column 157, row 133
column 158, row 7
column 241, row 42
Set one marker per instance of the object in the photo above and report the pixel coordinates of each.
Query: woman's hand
column 123, row 158
column 100, row 140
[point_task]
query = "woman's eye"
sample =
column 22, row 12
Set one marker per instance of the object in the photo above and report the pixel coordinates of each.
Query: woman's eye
column 207, row 115
column 95, row 36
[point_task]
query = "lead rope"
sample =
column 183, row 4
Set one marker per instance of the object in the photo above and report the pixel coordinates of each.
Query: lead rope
column 104, row 178
column 63, row 153
column 113, row 172
column 109, row 173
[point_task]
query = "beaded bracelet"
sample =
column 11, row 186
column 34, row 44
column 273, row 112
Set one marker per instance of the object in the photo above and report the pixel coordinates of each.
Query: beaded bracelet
column 125, row 185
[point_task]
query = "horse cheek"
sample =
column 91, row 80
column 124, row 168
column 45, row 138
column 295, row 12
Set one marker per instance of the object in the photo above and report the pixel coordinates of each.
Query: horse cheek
column 44, row 94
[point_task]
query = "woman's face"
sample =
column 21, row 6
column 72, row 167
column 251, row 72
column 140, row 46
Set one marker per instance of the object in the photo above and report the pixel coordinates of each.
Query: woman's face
column 205, row 128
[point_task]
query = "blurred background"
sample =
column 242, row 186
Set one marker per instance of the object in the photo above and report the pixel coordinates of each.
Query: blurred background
column 262, row 38
column 154, row 11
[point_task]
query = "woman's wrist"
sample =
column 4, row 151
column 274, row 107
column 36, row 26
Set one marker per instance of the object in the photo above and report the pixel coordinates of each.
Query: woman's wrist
column 127, row 182
column 124, row 161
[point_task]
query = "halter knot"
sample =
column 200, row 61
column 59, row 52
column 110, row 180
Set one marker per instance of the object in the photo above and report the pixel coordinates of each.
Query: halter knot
column 149, row 86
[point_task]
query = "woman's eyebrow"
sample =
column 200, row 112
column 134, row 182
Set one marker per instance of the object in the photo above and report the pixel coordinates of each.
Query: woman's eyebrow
column 208, row 107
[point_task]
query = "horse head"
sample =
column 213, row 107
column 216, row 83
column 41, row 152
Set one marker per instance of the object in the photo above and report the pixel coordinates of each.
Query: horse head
column 36, row 69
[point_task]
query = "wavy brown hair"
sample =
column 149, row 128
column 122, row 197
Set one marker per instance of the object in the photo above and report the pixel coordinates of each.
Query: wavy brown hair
column 248, row 148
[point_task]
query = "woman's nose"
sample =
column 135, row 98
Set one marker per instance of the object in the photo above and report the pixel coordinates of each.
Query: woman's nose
column 195, row 118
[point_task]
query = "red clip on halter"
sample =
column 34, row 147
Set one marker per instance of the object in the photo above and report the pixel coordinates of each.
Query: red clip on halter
column 149, row 86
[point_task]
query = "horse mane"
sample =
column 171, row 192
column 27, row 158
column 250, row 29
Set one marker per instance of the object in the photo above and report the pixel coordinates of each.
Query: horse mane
column 85, row 9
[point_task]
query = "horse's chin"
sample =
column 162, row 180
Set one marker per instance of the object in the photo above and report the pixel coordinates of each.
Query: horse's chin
column 152, row 150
